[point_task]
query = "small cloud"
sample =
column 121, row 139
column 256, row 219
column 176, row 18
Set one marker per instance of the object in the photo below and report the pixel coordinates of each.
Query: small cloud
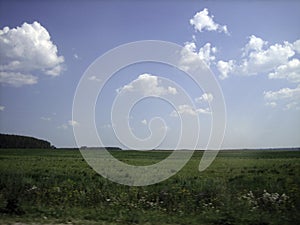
column 203, row 21
column 17, row 79
column 148, row 85
column 290, row 97
column 191, row 59
column 73, row 123
column 289, row 71
column 45, row 118
column 107, row 126
column 225, row 68
column 189, row 110
column 144, row 122
column 63, row 126
column 206, row 97
column 94, row 78
column 76, row 56
column 2, row 108
column 271, row 104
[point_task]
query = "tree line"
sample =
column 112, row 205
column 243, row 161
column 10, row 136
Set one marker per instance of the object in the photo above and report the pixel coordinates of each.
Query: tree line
column 18, row 141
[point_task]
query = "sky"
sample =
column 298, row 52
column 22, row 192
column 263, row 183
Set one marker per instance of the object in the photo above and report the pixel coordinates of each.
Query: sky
column 252, row 49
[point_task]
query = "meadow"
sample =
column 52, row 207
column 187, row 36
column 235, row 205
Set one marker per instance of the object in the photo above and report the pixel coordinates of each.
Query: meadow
column 257, row 187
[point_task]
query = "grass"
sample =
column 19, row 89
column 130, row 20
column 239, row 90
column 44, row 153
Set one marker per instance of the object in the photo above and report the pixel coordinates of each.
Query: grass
column 240, row 187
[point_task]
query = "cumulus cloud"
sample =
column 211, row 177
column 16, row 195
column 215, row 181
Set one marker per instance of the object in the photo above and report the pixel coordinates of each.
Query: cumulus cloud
column 277, row 61
column 26, row 51
column 148, row 85
column 191, row 59
column 2, row 108
column 189, row 110
column 144, row 122
column 203, row 21
column 258, row 58
column 206, row 97
column 255, row 43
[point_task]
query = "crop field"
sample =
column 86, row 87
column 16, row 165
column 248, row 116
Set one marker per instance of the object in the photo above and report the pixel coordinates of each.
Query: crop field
column 257, row 187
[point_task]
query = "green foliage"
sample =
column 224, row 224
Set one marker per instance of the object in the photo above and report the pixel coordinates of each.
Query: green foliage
column 240, row 187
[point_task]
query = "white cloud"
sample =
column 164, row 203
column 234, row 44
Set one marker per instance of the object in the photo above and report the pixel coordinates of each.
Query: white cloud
column 94, row 78
column 63, row 126
column 289, row 71
column 191, row 59
column 2, row 108
column 144, row 122
column 148, row 85
column 46, row 118
column 17, row 79
column 296, row 46
column 202, row 21
column 70, row 123
column 206, row 53
column 206, row 97
column 283, row 93
column 76, row 56
column 271, row 104
column 25, row 51
column 225, row 68
column 73, row 123
column 107, row 126
column 189, row 110
column 290, row 97
column 278, row 61
column 265, row 60
column 258, row 58
column 203, row 111
column 255, row 43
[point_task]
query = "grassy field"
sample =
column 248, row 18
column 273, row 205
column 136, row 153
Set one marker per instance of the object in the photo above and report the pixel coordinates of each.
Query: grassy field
column 240, row 187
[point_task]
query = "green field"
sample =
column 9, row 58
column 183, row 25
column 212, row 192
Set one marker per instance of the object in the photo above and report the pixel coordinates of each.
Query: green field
column 256, row 187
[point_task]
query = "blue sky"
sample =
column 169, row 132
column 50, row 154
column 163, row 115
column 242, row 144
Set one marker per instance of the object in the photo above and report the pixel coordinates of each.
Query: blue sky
column 255, row 60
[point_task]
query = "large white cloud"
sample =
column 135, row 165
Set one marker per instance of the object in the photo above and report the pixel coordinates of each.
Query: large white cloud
column 25, row 52
column 259, row 58
column 278, row 61
column 202, row 21
column 148, row 85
